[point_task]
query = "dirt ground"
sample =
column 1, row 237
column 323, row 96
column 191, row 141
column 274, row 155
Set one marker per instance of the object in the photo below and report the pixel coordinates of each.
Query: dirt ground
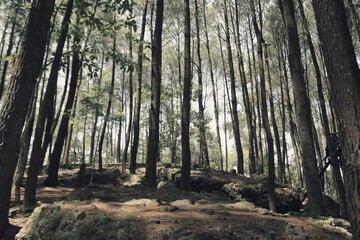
column 174, row 210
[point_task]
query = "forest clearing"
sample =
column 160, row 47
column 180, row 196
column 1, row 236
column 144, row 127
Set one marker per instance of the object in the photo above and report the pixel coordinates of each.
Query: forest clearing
column 201, row 119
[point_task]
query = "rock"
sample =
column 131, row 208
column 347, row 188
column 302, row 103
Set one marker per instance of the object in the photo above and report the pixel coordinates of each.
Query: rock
column 295, row 232
column 332, row 207
column 288, row 199
column 135, row 179
column 168, row 174
column 80, row 194
column 51, row 222
column 165, row 184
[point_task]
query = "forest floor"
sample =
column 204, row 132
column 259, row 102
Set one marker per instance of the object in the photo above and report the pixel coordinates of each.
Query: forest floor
column 169, row 213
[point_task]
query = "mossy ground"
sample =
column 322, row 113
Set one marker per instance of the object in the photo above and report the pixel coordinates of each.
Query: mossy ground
column 129, row 210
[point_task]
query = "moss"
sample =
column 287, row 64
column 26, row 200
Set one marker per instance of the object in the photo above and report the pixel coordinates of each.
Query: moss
column 151, row 237
column 131, row 217
column 101, row 218
column 99, row 235
column 67, row 220
column 122, row 235
column 64, row 236
column 84, row 231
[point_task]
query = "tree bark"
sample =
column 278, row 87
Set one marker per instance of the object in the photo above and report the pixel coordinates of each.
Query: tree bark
column 97, row 112
column 303, row 111
column 128, row 133
column 55, row 156
column 26, row 70
column 185, row 116
column 216, row 108
column 265, row 119
column 135, row 145
column 280, row 176
column 153, row 140
column 332, row 149
column 259, row 134
column 235, row 118
column 24, row 147
column 246, row 99
column 344, row 76
column 46, row 106
column 202, row 125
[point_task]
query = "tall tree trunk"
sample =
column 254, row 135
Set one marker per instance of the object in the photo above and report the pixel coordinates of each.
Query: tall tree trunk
column 273, row 119
column 216, row 108
column 252, row 104
column 66, row 160
column 26, row 70
column 46, row 106
column 107, row 114
column 282, row 111
column 186, row 106
column 235, row 118
column 97, row 112
column 303, row 111
column 259, row 134
column 128, row 133
column 55, row 156
column 224, row 93
column 62, row 100
column 202, row 126
column 265, row 119
column 344, row 76
column 246, row 99
column 135, row 145
column 293, row 127
column 332, row 149
column 153, row 141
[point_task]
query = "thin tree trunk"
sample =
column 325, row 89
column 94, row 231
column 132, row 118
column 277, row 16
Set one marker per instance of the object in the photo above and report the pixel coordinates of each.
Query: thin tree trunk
column 259, row 129
column 135, row 145
column 273, row 119
column 128, row 133
column 216, row 108
column 97, row 113
column 62, row 100
column 239, row 151
column 225, row 88
column 153, row 141
column 270, row 141
column 202, row 126
column 246, row 99
column 282, row 111
column 293, row 127
column 66, row 160
column 107, row 114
